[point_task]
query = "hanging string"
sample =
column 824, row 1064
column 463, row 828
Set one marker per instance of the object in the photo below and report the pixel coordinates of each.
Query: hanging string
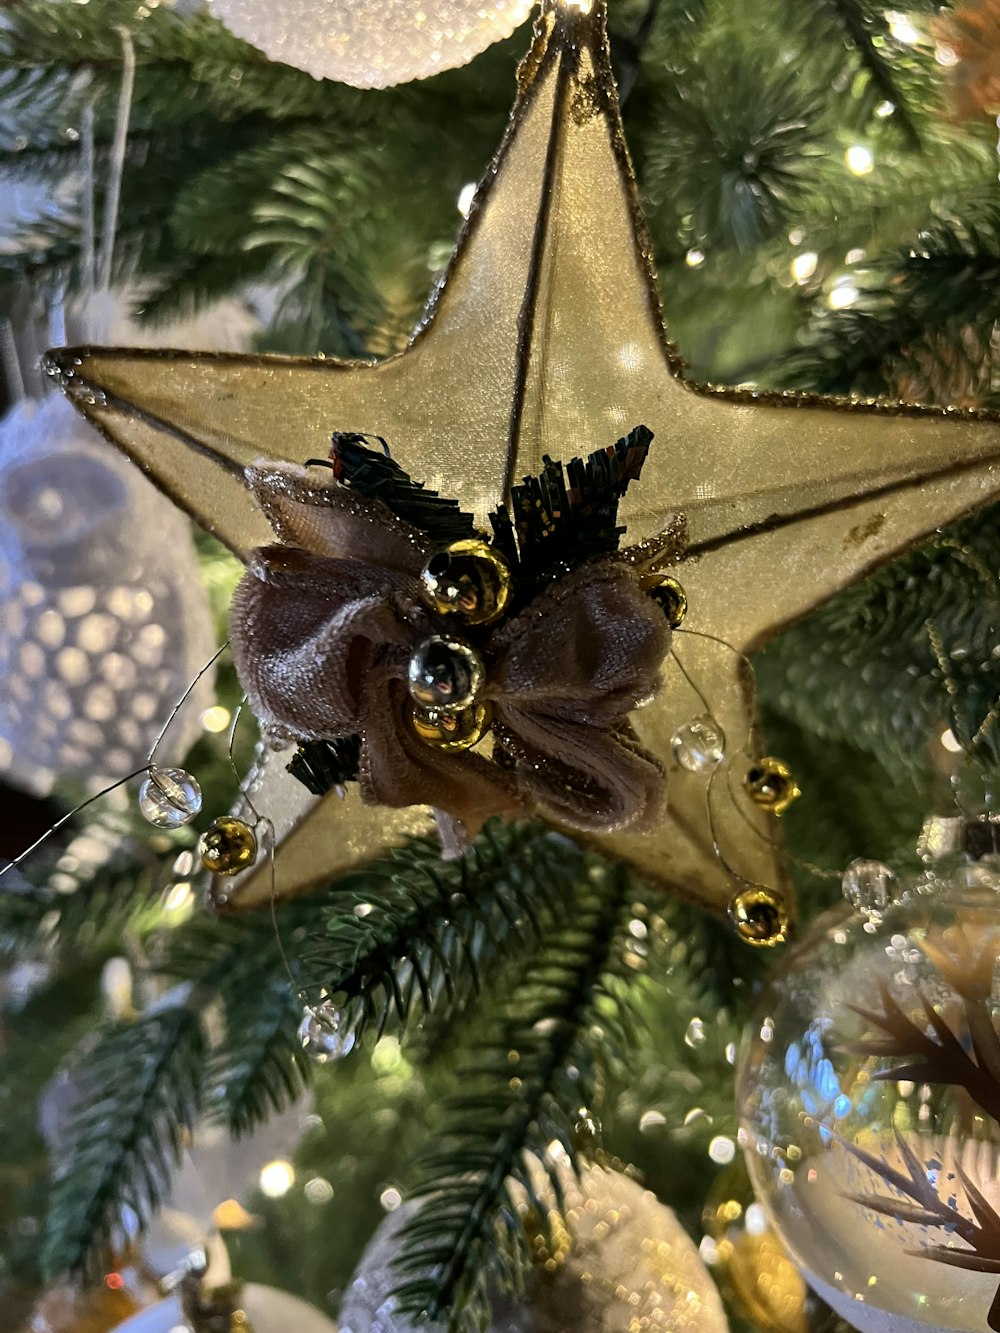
column 88, row 230
column 117, row 167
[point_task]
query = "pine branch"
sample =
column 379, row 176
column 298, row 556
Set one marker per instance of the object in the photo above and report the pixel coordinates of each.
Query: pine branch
column 522, row 1089
column 260, row 1067
column 430, row 931
column 868, row 34
column 140, row 1093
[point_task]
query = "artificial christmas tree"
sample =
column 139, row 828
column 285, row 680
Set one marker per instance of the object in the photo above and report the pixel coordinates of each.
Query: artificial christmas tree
column 488, row 1007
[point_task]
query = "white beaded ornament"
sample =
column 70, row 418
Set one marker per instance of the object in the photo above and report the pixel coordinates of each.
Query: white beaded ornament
column 372, row 43
column 103, row 620
column 267, row 1310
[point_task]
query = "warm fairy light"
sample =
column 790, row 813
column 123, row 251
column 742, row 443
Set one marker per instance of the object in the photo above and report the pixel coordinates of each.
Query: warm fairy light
column 945, row 55
column 277, row 1178
column 804, row 265
column 694, row 258
column 465, row 197
column 854, row 256
column 844, row 293
column 902, row 29
column 390, row 1199
column 215, row 718
column 860, row 160
column 951, row 742
column 230, row 1215
column 722, row 1150
column 180, row 896
column 885, row 109
column 756, row 1220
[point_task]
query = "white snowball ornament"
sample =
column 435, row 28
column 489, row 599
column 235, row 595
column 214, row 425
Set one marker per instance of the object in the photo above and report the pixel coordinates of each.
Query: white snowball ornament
column 372, row 43
column 628, row 1264
column 869, row 1097
column 103, row 620
column 266, row 1310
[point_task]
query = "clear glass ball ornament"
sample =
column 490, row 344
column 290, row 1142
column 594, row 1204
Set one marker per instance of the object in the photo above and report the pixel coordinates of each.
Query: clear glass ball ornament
column 169, row 797
column 869, row 1098
column 699, row 745
column 869, row 886
column 326, row 1033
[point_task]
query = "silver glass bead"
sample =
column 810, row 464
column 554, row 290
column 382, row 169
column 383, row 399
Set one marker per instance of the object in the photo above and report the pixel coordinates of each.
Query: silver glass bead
column 169, row 797
column 699, row 745
column 326, row 1034
column 869, row 886
column 445, row 674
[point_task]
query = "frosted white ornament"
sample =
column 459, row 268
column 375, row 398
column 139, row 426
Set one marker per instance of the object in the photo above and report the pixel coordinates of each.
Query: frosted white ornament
column 372, row 43
column 103, row 620
column 869, row 886
column 267, row 1309
column 169, row 797
column 699, row 745
column 631, row 1265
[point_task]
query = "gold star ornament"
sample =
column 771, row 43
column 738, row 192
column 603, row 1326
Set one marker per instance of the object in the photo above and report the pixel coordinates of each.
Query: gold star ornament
column 546, row 338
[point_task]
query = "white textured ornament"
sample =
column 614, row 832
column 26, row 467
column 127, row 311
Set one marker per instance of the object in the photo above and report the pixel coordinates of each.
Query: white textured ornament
column 103, row 620
column 267, row 1309
column 372, row 43
column 630, row 1265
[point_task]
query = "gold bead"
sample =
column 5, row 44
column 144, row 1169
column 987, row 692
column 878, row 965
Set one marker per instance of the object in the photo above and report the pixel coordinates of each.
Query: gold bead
column 452, row 731
column 669, row 595
column 469, row 579
column 228, row 846
column 771, row 785
column 759, row 917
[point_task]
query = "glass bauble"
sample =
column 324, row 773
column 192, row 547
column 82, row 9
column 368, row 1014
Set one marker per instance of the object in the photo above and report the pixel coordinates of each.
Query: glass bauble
column 869, row 1097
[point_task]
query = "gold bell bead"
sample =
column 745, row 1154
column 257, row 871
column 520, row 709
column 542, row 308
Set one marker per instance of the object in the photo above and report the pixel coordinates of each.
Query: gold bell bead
column 470, row 580
column 771, row 785
column 759, row 917
column 228, row 846
column 452, row 731
column 669, row 595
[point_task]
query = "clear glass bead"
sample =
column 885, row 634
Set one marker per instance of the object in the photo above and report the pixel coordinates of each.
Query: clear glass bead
column 699, row 745
column 169, row 797
column 326, row 1034
column 869, row 886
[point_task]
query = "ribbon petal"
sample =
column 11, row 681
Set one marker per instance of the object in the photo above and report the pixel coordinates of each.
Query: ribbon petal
column 305, row 632
column 398, row 768
column 589, row 649
column 321, row 516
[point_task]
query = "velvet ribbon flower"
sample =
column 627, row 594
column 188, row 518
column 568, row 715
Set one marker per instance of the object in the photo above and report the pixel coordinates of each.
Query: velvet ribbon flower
column 324, row 624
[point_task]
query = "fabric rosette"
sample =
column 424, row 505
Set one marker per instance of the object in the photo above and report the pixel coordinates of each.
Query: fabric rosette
column 325, row 623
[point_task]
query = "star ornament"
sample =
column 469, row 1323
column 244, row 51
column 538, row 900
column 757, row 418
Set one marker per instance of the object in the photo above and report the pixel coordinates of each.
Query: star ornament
column 546, row 338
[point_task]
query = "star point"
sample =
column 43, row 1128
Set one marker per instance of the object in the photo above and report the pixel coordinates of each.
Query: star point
column 546, row 338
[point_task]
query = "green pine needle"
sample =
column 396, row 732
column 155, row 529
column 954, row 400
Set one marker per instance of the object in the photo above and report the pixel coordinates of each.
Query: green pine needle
column 139, row 1092
column 424, row 930
column 521, row 1089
